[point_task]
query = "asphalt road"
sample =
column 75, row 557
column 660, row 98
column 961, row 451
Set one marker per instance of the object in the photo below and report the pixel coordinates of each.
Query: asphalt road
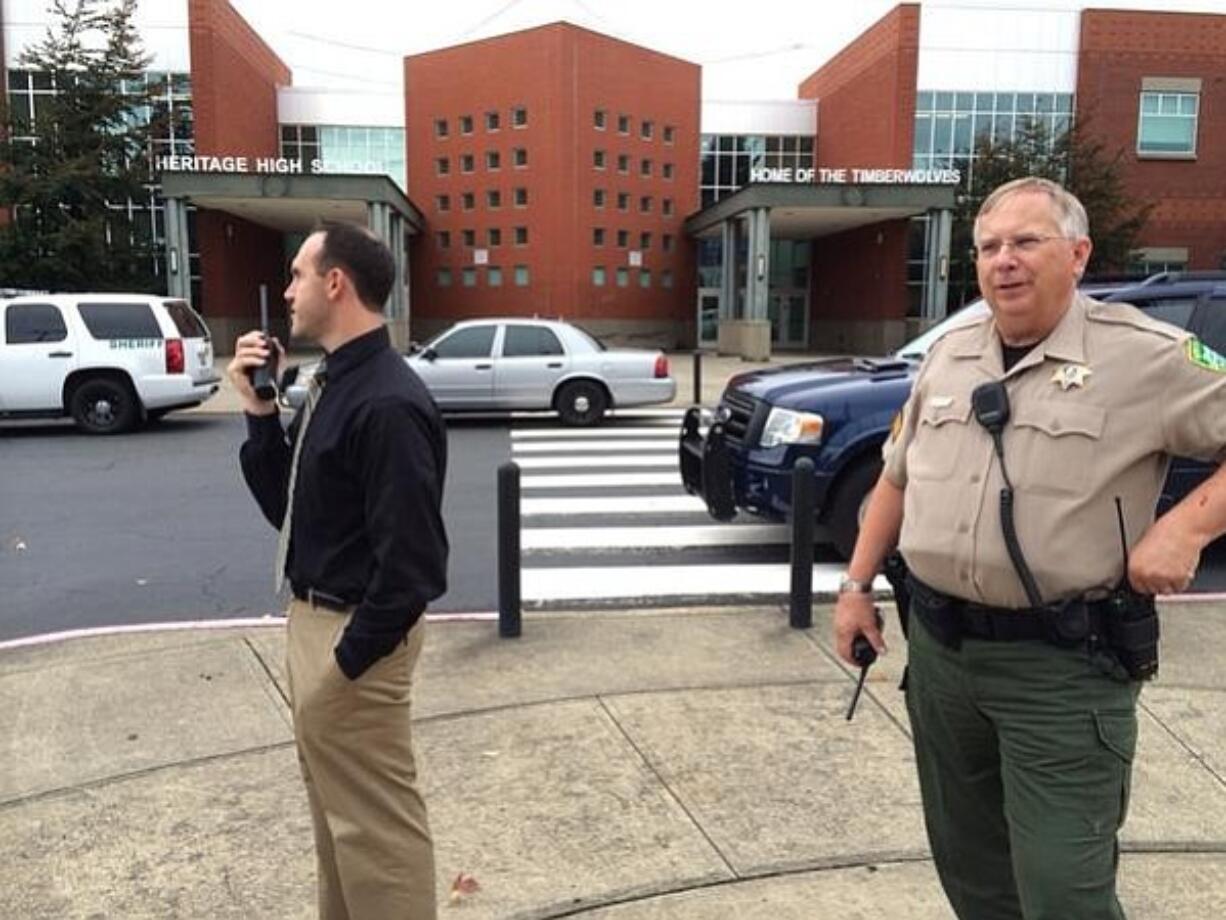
column 158, row 526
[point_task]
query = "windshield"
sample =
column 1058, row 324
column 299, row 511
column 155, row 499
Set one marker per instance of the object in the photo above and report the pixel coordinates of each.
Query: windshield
column 918, row 347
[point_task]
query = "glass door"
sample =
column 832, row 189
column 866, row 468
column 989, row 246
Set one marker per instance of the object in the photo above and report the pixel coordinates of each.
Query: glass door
column 708, row 317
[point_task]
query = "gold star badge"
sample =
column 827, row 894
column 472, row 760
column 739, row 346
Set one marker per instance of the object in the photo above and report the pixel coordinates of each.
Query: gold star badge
column 1071, row 375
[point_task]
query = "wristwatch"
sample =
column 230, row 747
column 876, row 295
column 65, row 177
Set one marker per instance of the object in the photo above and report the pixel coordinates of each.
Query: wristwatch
column 849, row 585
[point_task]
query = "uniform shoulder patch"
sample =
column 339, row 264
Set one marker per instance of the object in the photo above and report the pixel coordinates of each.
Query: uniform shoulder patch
column 1202, row 355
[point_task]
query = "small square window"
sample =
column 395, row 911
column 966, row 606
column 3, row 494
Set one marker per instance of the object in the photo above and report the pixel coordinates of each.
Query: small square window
column 521, row 197
column 666, row 242
column 623, row 201
column 598, row 159
column 598, row 276
column 598, row 236
column 493, row 160
column 645, row 167
column 599, row 117
column 644, row 240
column 466, row 124
column 441, row 130
column 493, row 236
column 623, row 238
column 666, row 207
column 521, row 236
column 1166, row 124
column 669, row 134
column 442, row 202
column 519, row 117
column 467, row 163
column 468, row 277
column 469, row 237
column 623, row 124
column 493, row 198
column 468, row 201
column 442, row 166
column 493, row 276
column 443, row 277
column 623, row 277
column 443, row 238
column 666, row 278
column 667, row 170
column 644, row 277
column 522, row 277
column 623, row 163
column 645, row 204
column 491, row 121
column 520, row 156
column 646, row 130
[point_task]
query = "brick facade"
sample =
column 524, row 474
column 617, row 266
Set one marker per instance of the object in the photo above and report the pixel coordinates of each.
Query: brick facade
column 1118, row 50
column 559, row 75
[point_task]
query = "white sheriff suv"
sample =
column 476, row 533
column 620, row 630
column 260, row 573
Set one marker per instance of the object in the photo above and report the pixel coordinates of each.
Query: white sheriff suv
column 111, row 361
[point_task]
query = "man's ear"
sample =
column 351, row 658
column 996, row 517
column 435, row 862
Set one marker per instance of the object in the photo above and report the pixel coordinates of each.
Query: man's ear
column 334, row 283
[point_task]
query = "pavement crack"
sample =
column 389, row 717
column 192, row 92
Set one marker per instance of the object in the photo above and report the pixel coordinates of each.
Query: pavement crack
column 1191, row 752
column 665, row 784
column 272, row 679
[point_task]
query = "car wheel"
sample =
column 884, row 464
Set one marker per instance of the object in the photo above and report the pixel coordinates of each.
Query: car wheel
column 850, row 500
column 581, row 402
column 104, row 405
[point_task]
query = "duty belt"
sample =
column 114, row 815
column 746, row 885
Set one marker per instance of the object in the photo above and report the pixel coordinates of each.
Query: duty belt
column 317, row 598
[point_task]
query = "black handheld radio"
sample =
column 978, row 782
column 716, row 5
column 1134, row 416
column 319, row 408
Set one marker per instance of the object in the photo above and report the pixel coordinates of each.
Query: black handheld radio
column 263, row 381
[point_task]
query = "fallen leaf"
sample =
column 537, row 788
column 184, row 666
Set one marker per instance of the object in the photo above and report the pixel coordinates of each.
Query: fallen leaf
column 463, row 886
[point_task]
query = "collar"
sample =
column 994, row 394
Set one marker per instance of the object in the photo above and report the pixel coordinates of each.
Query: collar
column 354, row 352
column 1064, row 343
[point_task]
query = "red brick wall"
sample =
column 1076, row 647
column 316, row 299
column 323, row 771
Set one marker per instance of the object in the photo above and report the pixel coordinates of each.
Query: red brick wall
column 1120, row 48
column 235, row 76
column 560, row 74
column 866, row 117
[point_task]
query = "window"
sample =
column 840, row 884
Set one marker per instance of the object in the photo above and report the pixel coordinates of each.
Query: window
column 598, row 159
column 493, row 236
column 469, row 237
column 493, row 198
column 466, row 124
column 522, row 277
column 646, row 130
column 468, row 201
column 645, row 167
column 644, row 277
column 492, row 159
column 467, row 163
column 669, row 133
column 598, row 198
column 442, row 202
column 645, row 203
column 521, row 197
column 530, row 341
column 443, row 238
column 519, row 157
column 666, row 242
column 35, row 322
column 623, row 201
column 666, row 207
column 666, row 278
column 491, row 121
column 667, row 170
column 440, row 127
column 623, row 163
column 644, row 240
column 120, row 321
column 1167, row 124
column 598, row 119
column 521, row 236
column 443, row 277
column 493, row 276
column 519, row 117
column 598, row 276
column 623, row 124
column 598, row 236
column 186, row 320
column 468, row 277
column 469, row 342
column 623, row 239
column 442, row 166
column 623, row 277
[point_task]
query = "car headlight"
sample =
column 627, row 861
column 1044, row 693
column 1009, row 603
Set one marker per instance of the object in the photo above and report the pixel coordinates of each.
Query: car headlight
column 784, row 426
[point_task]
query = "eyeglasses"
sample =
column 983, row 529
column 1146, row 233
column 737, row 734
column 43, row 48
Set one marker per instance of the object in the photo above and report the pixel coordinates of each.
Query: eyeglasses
column 1025, row 244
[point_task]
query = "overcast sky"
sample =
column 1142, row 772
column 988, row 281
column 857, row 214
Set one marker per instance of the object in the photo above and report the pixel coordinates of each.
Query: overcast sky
column 747, row 50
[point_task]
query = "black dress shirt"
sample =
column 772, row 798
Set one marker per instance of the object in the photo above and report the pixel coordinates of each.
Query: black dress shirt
column 367, row 525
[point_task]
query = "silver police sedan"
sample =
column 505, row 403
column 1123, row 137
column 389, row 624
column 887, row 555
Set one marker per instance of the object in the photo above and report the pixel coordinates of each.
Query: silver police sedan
column 504, row 364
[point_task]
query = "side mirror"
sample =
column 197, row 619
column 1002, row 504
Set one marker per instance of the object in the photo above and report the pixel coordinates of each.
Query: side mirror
column 429, row 354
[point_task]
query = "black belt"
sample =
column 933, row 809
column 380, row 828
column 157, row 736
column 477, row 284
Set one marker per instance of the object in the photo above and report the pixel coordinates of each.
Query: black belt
column 317, row 598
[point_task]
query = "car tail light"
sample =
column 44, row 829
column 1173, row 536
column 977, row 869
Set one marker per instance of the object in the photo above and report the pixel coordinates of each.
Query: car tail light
column 174, row 356
column 661, row 366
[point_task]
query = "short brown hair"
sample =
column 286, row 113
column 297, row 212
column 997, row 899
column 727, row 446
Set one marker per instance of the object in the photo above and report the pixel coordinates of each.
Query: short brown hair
column 362, row 256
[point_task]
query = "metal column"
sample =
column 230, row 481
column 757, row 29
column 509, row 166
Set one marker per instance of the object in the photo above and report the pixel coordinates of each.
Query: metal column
column 178, row 256
column 727, row 274
column 757, row 275
column 936, row 271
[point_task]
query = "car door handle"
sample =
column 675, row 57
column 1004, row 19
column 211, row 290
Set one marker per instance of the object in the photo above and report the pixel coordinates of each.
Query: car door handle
column 554, row 364
column 59, row 354
column 483, row 367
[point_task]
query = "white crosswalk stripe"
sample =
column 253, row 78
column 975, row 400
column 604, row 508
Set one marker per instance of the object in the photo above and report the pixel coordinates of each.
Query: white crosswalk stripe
column 606, row 521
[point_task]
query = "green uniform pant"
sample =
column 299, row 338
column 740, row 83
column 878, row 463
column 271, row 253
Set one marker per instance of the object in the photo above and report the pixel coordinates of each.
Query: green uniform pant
column 1024, row 753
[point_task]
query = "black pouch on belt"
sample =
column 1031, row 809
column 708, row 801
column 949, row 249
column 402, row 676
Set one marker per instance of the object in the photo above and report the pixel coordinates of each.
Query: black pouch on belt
column 1132, row 632
column 938, row 612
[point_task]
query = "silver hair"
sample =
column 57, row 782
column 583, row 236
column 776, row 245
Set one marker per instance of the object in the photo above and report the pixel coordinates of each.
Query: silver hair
column 1070, row 213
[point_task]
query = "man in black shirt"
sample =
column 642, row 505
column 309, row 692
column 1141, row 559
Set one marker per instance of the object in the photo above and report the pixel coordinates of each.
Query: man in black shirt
column 356, row 491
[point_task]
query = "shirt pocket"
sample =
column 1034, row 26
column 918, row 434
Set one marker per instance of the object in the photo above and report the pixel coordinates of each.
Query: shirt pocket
column 1057, row 443
column 940, row 437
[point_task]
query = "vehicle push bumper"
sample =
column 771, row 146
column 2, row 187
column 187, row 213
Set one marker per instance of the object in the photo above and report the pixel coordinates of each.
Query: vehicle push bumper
column 706, row 467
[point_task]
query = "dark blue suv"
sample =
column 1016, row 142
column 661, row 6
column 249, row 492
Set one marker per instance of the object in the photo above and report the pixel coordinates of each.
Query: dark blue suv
column 837, row 412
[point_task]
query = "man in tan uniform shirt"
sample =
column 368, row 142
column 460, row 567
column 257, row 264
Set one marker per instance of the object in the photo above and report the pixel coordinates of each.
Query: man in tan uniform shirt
column 1024, row 743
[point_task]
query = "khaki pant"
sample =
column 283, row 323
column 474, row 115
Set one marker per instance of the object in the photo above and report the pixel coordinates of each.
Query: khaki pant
column 372, row 840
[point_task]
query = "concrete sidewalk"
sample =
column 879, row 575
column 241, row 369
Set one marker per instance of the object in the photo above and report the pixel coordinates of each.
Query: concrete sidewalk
column 689, row 764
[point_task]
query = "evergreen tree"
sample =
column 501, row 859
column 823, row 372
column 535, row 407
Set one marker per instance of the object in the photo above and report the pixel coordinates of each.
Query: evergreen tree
column 67, row 190
column 1077, row 160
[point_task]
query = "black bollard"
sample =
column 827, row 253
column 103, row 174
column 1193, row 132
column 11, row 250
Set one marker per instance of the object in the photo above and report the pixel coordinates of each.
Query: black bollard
column 697, row 377
column 800, row 613
column 509, row 625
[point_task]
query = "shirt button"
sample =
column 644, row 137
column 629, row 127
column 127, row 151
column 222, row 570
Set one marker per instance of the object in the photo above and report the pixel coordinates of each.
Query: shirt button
column 974, row 477
column 964, row 527
column 965, row 576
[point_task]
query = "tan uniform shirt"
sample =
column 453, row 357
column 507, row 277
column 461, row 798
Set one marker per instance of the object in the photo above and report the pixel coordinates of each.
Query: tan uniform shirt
column 1097, row 408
